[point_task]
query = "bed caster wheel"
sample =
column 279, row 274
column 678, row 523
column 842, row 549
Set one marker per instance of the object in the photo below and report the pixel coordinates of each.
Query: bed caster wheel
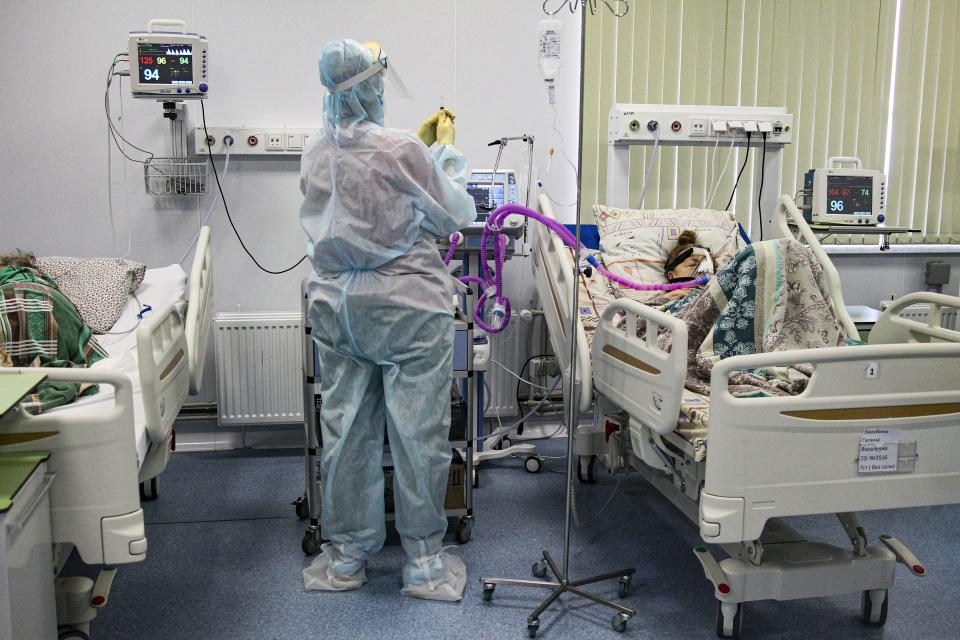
column 302, row 507
column 539, row 569
column 586, row 469
column 533, row 464
column 72, row 634
column 623, row 588
column 464, row 530
column 311, row 542
column 873, row 607
column 532, row 627
column 488, row 592
column 149, row 491
column 504, row 443
column 620, row 622
column 729, row 619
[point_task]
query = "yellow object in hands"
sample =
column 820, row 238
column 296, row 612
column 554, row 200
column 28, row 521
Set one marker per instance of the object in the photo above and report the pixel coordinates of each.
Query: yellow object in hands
column 446, row 132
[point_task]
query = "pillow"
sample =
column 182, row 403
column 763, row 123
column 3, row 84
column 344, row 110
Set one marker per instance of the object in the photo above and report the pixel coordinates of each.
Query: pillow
column 97, row 287
column 635, row 243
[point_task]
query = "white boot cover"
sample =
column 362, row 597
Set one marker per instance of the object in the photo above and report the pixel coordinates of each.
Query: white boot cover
column 320, row 576
column 449, row 587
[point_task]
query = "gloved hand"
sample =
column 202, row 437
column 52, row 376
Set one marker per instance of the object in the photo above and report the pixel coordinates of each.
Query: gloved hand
column 446, row 132
column 427, row 131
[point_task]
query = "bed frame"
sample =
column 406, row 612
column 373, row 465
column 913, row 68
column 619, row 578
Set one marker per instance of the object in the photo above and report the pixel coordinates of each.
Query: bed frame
column 95, row 504
column 770, row 458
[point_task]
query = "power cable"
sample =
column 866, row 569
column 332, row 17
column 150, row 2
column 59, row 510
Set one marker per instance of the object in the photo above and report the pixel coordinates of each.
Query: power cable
column 742, row 167
column 223, row 198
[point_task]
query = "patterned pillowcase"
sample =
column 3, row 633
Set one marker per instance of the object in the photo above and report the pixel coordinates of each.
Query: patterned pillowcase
column 635, row 243
column 98, row 287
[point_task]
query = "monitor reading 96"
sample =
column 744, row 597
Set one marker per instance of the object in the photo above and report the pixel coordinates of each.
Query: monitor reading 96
column 850, row 195
column 165, row 63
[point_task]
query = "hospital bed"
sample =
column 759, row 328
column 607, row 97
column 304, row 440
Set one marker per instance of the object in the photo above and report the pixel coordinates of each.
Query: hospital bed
column 768, row 458
column 104, row 444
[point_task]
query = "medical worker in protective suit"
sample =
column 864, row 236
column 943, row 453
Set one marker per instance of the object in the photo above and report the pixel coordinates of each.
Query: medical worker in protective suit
column 375, row 200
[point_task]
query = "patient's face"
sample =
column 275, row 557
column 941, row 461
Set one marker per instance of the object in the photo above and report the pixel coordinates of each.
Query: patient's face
column 687, row 268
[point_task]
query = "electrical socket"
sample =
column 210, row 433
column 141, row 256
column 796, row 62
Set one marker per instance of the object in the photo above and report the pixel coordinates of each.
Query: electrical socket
column 274, row 141
column 698, row 127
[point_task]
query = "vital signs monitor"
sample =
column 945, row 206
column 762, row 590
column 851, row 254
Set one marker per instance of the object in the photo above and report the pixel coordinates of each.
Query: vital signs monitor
column 168, row 65
column 837, row 195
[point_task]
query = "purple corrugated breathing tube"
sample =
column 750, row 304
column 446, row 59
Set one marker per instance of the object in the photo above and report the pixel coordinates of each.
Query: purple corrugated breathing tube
column 491, row 284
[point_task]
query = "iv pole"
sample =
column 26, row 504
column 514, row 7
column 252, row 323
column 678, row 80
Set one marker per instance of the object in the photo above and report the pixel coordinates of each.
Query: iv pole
column 562, row 583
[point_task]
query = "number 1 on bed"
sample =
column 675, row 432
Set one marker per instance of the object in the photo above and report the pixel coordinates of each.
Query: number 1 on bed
column 873, row 370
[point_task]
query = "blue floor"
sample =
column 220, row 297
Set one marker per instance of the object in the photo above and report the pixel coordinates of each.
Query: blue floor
column 225, row 562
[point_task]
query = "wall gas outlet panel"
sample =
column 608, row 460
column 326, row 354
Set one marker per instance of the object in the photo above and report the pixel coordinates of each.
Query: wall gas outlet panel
column 254, row 141
column 696, row 124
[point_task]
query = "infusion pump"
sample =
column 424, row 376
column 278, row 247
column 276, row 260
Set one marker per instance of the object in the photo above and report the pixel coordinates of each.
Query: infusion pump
column 837, row 195
column 168, row 65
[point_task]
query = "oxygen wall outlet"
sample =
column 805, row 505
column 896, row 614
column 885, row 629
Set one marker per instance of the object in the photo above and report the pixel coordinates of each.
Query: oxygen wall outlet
column 274, row 141
column 253, row 141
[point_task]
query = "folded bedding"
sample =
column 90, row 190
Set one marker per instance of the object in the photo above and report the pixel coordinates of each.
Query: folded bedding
column 40, row 327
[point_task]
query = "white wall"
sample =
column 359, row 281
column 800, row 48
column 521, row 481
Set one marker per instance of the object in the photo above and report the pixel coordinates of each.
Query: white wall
column 478, row 58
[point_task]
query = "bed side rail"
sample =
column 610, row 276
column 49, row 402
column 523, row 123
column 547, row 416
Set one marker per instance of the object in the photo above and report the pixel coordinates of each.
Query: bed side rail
column 164, row 369
column 635, row 373
column 786, row 215
column 796, row 455
column 94, row 501
column 891, row 327
column 199, row 309
column 554, row 280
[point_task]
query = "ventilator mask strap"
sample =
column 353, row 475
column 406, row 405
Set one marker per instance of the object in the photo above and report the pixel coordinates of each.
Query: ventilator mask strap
column 678, row 259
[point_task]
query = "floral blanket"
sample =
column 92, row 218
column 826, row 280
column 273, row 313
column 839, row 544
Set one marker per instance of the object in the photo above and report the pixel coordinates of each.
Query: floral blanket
column 771, row 297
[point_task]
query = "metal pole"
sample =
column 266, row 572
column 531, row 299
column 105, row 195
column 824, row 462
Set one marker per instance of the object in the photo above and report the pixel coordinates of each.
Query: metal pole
column 573, row 400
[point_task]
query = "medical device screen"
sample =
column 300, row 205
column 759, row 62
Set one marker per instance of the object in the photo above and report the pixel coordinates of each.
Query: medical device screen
column 850, row 195
column 165, row 63
column 486, row 196
column 489, row 196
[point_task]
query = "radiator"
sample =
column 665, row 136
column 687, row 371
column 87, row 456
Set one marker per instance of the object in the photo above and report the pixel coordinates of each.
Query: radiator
column 921, row 313
column 507, row 349
column 259, row 369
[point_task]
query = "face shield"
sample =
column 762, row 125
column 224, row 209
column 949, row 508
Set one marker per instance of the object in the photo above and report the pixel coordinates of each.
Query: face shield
column 354, row 76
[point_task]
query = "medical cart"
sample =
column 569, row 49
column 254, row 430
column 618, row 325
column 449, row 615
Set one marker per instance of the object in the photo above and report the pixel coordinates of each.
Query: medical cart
column 28, row 606
column 464, row 417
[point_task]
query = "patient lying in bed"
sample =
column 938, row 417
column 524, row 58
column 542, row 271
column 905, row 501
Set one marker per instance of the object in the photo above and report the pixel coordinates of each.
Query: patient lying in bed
column 772, row 296
column 40, row 327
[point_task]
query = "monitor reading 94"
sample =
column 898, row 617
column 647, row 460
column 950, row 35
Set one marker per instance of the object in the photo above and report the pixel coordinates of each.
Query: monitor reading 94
column 165, row 63
column 849, row 195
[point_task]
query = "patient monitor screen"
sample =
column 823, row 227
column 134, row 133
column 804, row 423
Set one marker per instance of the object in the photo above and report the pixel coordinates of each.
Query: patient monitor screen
column 165, row 63
column 850, row 195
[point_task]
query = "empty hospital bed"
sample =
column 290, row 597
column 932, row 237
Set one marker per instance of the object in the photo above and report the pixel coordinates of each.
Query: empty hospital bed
column 767, row 458
column 105, row 444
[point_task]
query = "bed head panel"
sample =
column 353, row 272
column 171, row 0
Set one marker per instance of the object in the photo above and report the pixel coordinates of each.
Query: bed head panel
column 554, row 280
column 199, row 309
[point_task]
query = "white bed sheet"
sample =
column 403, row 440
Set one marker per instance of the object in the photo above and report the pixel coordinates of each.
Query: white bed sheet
column 159, row 286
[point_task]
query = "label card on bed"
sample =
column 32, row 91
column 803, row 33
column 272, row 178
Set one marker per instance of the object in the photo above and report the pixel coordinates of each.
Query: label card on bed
column 879, row 450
